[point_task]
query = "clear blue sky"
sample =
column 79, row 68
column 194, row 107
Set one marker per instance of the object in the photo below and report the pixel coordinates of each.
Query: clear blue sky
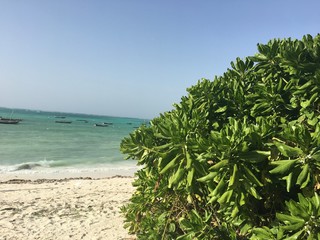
column 131, row 58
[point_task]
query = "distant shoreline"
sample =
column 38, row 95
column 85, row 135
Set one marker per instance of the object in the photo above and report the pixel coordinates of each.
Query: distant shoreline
column 56, row 112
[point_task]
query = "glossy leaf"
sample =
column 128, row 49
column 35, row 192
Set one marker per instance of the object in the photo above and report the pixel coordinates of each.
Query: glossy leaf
column 283, row 166
column 287, row 150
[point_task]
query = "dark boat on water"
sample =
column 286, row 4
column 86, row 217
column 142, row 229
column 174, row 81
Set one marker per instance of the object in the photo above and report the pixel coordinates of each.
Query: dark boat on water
column 9, row 120
column 101, row 125
column 67, row 122
column 82, row 120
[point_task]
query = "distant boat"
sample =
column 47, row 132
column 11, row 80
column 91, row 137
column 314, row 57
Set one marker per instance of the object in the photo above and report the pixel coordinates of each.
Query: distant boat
column 68, row 122
column 9, row 121
column 101, row 125
column 59, row 116
column 82, row 120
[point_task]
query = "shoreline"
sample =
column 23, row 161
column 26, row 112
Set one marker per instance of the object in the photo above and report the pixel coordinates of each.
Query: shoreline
column 69, row 173
column 56, row 180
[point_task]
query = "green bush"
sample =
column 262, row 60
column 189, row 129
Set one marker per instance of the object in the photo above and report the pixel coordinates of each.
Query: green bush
column 239, row 157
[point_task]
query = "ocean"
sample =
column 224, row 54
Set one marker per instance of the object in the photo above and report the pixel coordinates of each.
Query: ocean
column 58, row 142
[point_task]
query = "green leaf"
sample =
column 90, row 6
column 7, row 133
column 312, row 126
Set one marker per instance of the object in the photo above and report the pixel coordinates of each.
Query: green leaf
column 175, row 178
column 189, row 160
column 255, row 156
column 287, row 150
column 289, row 181
column 185, row 224
column 235, row 212
column 282, row 166
column 303, row 174
column 314, row 97
column 190, row 176
column 302, row 200
column 170, row 165
column 254, row 193
column 306, row 85
column 305, row 104
column 263, row 233
column 242, row 200
column 218, row 189
column 295, row 236
column 219, row 165
column 252, row 177
column 208, row 177
column 233, row 178
column 296, row 209
column 225, row 197
column 293, row 227
column 172, row 227
column 195, row 217
column 221, row 109
column 307, row 181
column 316, row 200
column 313, row 121
column 288, row 218
column 164, row 146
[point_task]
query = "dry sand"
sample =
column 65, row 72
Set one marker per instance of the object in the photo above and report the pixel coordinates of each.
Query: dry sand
column 80, row 208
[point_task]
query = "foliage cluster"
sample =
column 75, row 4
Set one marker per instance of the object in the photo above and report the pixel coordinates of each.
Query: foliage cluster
column 238, row 157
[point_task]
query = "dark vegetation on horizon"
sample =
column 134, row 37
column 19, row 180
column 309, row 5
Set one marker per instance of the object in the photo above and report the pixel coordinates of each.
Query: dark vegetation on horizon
column 238, row 157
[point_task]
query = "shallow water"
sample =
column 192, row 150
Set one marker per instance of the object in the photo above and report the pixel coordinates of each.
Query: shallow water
column 39, row 142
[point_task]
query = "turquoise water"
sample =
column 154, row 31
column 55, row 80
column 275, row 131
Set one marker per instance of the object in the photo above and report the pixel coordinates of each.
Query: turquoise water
column 39, row 142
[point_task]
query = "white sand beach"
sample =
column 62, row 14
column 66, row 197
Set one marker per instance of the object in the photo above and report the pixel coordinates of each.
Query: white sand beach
column 78, row 208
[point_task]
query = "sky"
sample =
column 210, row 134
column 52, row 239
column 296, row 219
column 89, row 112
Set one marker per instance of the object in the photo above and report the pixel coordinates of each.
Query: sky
column 131, row 58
